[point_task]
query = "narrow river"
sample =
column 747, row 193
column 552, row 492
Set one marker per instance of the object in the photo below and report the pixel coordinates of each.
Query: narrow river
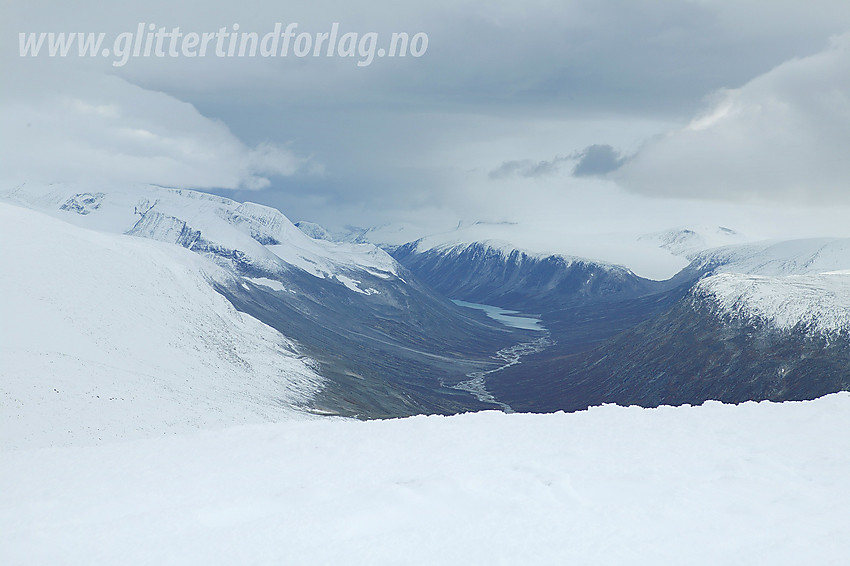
column 477, row 382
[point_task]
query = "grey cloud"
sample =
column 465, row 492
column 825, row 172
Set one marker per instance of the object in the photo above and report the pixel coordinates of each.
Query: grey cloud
column 528, row 168
column 594, row 160
column 597, row 160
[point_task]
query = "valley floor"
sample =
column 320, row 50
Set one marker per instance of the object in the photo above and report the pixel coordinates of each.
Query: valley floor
column 758, row 483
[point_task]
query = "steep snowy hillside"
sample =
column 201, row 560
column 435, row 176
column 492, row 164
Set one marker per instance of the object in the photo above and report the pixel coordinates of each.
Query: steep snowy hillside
column 500, row 275
column 471, row 264
column 109, row 337
column 717, row 484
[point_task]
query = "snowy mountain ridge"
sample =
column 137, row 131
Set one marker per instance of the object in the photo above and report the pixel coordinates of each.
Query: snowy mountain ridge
column 776, row 258
column 621, row 251
column 506, row 250
column 242, row 236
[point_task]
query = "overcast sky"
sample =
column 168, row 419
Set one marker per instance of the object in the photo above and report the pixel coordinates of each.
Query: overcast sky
column 597, row 113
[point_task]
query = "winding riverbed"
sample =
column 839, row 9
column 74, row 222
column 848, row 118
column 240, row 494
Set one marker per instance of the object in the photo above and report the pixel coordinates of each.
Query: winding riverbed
column 477, row 382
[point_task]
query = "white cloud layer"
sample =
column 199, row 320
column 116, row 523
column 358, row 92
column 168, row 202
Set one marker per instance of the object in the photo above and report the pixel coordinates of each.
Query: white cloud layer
column 101, row 128
column 783, row 135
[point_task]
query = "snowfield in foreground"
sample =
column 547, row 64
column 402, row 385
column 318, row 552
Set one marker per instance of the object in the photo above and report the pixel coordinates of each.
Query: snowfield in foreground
column 717, row 484
column 108, row 337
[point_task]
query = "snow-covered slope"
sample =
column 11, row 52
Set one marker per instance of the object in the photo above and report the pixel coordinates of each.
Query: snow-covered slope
column 244, row 236
column 107, row 337
column 718, row 484
column 814, row 303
